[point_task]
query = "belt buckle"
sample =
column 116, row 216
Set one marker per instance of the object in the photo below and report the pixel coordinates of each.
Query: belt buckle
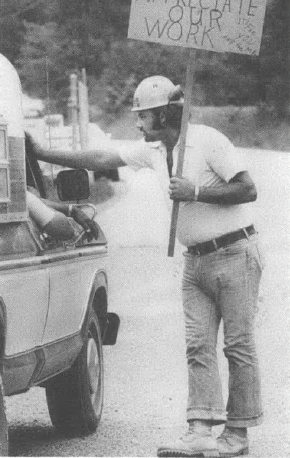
column 196, row 250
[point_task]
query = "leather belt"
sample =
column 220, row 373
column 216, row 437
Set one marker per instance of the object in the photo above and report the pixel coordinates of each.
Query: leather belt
column 212, row 245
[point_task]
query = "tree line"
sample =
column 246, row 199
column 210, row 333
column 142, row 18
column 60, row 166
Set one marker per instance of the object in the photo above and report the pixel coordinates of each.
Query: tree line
column 47, row 41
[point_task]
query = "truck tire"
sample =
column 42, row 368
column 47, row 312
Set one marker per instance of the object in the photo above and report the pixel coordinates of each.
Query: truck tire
column 75, row 397
column 3, row 423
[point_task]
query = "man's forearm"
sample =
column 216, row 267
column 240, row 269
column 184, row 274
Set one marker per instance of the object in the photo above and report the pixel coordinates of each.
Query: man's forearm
column 229, row 194
column 73, row 159
column 91, row 160
column 240, row 189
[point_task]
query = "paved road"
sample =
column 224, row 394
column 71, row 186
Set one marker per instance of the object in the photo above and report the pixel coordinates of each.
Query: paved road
column 146, row 371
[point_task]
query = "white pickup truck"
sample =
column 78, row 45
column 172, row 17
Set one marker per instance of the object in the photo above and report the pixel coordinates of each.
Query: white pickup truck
column 54, row 314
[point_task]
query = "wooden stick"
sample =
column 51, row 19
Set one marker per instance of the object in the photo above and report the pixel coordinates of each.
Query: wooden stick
column 184, row 124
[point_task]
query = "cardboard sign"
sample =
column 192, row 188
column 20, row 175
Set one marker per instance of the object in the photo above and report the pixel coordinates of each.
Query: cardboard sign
column 215, row 25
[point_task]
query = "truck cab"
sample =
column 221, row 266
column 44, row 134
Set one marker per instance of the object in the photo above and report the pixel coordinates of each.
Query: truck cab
column 54, row 311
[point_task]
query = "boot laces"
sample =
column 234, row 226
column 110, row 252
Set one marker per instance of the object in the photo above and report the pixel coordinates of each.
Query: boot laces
column 226, row 436
column 195, row 429
column 229, row 436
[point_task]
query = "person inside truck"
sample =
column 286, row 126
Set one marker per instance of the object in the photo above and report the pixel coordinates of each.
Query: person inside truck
column 49, row 216
column 56, row 218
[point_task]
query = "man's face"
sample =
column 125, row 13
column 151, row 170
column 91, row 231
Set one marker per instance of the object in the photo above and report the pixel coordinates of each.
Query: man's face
column 145, row 123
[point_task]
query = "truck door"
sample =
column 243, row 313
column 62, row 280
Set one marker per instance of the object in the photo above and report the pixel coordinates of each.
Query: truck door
column 24, row 294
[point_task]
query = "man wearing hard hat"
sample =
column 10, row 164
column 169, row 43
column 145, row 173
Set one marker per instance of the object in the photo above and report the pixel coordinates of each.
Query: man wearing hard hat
column 222, row 267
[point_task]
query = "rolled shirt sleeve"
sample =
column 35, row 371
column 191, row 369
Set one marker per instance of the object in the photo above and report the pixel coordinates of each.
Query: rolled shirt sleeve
column 222, row 156
column 39, row 211
column 137, row 154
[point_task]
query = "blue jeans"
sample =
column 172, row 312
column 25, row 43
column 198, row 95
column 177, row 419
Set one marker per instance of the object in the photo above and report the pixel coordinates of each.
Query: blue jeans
column 223, row 285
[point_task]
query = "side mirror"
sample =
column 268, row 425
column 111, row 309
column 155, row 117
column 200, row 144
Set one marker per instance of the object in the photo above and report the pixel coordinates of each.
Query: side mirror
column 73, row 185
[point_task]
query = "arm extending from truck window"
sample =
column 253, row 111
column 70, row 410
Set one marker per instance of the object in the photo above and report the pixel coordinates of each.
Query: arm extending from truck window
column 50, row 221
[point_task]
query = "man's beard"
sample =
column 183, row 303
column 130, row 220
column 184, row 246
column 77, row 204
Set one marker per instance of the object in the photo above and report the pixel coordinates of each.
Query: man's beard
column 152, row 136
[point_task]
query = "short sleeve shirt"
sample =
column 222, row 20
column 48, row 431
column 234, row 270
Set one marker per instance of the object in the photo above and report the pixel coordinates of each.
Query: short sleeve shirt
column 210, row 160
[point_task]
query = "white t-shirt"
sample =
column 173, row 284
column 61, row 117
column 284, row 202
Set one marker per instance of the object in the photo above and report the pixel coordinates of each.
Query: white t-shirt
column 210, row 160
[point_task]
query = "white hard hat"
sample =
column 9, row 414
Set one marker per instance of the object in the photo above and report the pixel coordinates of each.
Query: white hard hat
column 155, row 91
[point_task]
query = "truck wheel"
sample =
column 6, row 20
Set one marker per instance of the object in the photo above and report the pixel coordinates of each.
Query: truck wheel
column 3, row 423
column 75, row 397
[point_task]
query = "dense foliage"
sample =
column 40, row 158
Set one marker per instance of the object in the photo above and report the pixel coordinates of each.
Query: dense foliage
column 47, row 40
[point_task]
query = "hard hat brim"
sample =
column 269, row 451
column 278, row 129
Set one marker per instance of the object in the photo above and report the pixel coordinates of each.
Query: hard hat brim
column 150, row 107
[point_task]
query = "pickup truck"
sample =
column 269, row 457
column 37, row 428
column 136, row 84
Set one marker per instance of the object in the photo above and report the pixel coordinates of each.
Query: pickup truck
column 54, row 312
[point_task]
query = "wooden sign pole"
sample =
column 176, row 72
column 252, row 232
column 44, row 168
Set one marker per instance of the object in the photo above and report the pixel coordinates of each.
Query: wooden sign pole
column 184, row 124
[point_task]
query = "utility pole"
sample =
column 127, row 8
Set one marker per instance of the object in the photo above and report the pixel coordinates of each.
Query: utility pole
column 85, row 19
column 83, row 110
column 73, row 108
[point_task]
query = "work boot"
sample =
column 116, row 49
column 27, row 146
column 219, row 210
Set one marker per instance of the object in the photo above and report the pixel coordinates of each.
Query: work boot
column 231, row 443
column 195, row 442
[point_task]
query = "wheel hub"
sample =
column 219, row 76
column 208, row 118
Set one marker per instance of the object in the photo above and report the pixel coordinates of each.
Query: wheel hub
column 93, row 366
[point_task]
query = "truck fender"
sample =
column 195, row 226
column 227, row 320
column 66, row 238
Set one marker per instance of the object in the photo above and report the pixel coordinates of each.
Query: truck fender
column 109, row 322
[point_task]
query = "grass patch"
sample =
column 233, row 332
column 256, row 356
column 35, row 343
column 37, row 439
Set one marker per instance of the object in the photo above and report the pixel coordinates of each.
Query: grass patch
column 248, row 127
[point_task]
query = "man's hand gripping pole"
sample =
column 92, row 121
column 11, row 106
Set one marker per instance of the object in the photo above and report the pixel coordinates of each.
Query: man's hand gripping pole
column 184, row 124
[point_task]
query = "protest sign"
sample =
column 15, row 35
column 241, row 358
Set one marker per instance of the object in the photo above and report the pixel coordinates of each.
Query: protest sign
column 214, row 25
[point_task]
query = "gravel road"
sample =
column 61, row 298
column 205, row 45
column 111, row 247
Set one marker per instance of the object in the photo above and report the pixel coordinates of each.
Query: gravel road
column 145, row 373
